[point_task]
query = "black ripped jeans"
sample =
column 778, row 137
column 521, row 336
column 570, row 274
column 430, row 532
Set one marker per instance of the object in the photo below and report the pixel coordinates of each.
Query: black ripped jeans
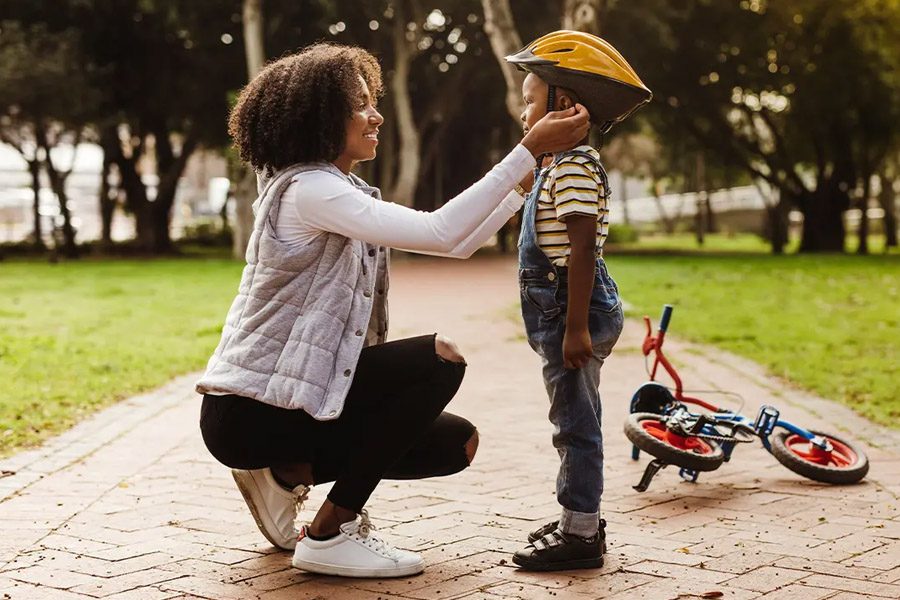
column 392, row 426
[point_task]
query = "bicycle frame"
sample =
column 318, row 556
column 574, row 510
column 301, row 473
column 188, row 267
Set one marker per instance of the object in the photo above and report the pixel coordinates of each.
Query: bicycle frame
column 654, row 344
column 766, row 420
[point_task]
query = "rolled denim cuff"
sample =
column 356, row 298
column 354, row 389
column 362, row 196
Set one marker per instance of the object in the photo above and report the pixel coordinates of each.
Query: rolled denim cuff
column 579, row 523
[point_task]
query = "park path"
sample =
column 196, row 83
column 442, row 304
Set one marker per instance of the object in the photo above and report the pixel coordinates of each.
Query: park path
column 128, row 504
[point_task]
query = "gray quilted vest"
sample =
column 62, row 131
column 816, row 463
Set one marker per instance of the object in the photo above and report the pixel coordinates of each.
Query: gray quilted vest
column 302, row 315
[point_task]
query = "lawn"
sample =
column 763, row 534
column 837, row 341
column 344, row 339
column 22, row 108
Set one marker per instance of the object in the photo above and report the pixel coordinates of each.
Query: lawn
column 828, row 323
column 732, row 243
column 78, row 336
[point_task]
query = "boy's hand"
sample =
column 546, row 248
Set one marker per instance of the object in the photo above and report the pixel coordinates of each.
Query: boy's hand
column 577, row 348
column 557, row 131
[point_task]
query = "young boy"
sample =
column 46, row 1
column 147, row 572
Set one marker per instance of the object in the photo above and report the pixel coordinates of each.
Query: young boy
column 570, row 304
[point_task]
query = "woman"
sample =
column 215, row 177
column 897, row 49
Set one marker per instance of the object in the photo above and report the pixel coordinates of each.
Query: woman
column 302, row 388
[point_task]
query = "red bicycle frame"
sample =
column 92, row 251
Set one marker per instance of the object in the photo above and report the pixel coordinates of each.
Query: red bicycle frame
column 654, row 344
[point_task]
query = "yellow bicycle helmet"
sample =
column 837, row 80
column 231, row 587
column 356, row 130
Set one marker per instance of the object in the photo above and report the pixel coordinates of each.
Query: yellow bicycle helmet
column 589, row 66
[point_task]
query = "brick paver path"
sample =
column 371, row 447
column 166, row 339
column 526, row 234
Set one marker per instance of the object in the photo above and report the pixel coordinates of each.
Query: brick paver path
column 128, row 505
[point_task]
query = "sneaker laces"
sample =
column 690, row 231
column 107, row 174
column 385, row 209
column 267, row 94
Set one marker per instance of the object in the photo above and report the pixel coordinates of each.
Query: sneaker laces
column 364, row 530
column 301, row 494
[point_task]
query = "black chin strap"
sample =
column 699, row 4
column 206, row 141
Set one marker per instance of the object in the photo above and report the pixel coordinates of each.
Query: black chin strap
column 551, row 106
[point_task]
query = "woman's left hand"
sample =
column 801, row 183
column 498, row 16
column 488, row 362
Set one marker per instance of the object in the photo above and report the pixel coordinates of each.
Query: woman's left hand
column 558, row 130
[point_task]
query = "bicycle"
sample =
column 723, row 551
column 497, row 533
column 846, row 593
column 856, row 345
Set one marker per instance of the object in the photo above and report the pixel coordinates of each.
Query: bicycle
column 661, row 424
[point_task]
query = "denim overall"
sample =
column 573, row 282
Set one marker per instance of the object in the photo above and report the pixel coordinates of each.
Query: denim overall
column 574, row 395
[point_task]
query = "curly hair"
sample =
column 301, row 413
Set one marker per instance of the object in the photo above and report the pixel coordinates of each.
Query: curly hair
column 296, row 109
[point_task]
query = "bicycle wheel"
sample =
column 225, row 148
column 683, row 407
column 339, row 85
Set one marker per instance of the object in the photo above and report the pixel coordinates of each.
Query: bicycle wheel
column 649, row 433
column 846, row 463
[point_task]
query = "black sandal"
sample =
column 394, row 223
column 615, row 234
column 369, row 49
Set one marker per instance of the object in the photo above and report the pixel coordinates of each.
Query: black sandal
column 558, row 551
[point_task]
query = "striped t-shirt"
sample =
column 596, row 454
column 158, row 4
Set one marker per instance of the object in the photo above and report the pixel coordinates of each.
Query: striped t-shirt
column 574, row 186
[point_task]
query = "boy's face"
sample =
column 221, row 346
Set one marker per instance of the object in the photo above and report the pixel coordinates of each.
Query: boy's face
column 534, row 93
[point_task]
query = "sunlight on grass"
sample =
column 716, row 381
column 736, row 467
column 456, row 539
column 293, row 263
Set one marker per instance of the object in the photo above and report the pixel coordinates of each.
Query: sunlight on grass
column 828, row 323
column 78, row 336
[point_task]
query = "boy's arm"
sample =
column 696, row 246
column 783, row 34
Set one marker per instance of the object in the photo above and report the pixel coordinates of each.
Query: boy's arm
column 577, row 347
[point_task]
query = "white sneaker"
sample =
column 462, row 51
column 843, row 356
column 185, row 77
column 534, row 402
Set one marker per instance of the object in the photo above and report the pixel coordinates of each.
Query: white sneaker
column 355, row 552
column 274, row 507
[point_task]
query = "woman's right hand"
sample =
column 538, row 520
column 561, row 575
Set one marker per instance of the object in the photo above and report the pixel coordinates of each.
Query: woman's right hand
column 557, row 131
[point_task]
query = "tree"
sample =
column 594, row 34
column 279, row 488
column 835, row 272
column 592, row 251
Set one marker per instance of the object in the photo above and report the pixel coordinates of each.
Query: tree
column 423, row 53
column 755, row 83
column 254, row 50
column 45, row 100
column 583, row 15
column 165, row 69
column 505, row 40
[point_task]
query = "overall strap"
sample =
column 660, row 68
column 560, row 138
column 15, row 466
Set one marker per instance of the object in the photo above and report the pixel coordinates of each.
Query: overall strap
column 593, row 159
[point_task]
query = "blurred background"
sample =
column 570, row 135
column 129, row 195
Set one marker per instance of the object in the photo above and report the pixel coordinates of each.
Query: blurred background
column 757, row 191
column 773, row 123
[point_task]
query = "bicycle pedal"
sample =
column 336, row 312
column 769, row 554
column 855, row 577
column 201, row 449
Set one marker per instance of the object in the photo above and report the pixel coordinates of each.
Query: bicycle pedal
column 689, row 474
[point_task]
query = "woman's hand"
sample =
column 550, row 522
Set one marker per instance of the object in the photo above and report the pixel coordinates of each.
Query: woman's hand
column 557, row 131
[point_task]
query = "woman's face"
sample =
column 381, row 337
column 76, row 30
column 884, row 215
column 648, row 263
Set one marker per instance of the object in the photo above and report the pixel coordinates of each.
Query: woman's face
column 361, row 137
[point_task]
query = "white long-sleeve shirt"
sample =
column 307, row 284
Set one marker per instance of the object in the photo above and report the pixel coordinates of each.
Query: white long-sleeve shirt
column 319, row 201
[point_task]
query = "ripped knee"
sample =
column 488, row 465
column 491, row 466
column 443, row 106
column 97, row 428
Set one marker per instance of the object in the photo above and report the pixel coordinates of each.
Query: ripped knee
column 472, row 446
column 447, row 350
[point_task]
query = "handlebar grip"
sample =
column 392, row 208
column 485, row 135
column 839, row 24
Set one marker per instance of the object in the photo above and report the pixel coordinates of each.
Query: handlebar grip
column 666, row 317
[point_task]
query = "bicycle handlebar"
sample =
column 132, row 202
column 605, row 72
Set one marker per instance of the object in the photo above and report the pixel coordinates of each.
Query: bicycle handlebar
column 666, row 317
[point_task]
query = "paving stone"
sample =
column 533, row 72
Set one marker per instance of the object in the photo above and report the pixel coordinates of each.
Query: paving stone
column 129, row 505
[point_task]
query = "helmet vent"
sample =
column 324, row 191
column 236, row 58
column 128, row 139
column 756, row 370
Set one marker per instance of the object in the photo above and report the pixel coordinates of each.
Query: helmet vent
column 561, row 50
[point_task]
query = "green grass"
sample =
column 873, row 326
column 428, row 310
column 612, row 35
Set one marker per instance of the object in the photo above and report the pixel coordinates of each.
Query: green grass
column 828, row 323
column 731, row 243
column 78, row 336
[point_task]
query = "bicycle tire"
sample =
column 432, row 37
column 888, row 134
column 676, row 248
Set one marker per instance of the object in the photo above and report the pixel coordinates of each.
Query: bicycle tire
column 788, row 449
column 709, row 458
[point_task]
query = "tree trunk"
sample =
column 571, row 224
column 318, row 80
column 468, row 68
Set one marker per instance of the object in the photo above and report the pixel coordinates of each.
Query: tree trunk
column 254, row 48
column 863, row 232
column 667, row 221
column 709, row 217
column 34, row 168
column 701, row 226
column 582, row 15
column 58, row 185
column 109, row 142
column 387, row 154
column 404, row 188
column 244, row 194
column 700, row 217
column 888, row 203
column 107, row 206
column 823, row 222
column 245, row 190
column 135, row 199
column 778, row 226
column 624, row 189
column 170, row 167
column 505, row 40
